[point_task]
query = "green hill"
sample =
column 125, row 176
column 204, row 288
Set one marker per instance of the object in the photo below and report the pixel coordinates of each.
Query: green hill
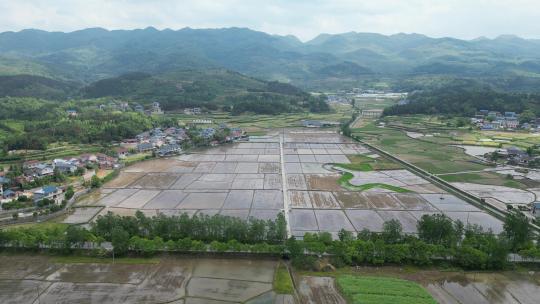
column 94, row 54
column 35, row 86
column 210, row 88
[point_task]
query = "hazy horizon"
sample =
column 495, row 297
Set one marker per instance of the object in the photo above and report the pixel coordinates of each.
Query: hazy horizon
column 284, row 35
column 303, row 19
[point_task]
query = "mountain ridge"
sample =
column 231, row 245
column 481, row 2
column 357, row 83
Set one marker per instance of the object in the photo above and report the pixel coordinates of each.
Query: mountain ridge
column 92, row 54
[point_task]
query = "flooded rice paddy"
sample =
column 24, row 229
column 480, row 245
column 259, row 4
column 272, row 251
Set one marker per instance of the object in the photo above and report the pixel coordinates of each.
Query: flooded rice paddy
column 248, row 179
column 39, row 279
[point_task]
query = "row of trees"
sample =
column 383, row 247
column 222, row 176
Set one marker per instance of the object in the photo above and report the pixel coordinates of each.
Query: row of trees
column 148, row 235
column 439, row 239
column 198, row 227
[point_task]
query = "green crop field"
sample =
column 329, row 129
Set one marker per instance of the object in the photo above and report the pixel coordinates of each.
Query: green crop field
column 382, row 290
column 364, row 163
column 486, row 178
column 434, row 157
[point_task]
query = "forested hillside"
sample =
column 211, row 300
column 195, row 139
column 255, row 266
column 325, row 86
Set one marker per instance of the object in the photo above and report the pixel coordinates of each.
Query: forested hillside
column 36, row 86
column 464, row 98
column 212, row 89
column 342, row 59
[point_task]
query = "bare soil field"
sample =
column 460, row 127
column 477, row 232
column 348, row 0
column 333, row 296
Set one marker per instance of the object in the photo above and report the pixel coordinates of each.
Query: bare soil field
column 352, row 200
column 323, row 182
column 314, row 290
column 324, row 200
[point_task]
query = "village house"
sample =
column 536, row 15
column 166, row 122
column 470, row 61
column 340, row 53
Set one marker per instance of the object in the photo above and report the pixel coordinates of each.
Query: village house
column 124, row 106
column 511, row 123
column 156, row 108
column 106, row 161
column 65, row 166
column 171, row 149
column 145, row 147
column 8, row 195
column 88, row 158
column 71, row 113
column 374, row 113
column 208, row 133
column 49, row 192
column 192, row 111
column 139, row 108
column 122, row 152
column 42, row 170
column 517, row 156
column 237, row 133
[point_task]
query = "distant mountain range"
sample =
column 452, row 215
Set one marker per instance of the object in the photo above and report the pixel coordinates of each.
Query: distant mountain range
column 89, row 55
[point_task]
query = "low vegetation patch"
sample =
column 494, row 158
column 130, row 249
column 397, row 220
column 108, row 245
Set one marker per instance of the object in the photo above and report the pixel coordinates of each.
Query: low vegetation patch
column 380, row 163
column 344, row 181
column 382, row 290
column 282, row 281
column 485, row 178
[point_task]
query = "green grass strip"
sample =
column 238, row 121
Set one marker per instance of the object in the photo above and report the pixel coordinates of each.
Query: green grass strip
column 282, row 281
column 345, row 178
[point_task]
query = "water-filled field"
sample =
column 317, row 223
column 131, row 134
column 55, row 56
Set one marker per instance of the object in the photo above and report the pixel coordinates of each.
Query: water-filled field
column 40, row 279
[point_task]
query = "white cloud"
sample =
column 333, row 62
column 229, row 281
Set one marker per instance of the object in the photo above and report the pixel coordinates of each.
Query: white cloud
column 303, row 18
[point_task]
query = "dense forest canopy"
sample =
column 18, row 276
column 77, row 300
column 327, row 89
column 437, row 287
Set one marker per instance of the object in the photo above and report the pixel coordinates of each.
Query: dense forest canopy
column 465, row 99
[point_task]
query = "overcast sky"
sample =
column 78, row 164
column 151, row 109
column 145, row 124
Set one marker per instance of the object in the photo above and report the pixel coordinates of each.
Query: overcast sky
column 303, row 18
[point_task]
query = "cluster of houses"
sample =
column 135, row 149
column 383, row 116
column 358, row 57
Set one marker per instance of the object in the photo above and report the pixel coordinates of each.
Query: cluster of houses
column 50, row 192
column 154, row 109
column 162, row 141
column 168, row 141
column 33, row 169
column 493, row 120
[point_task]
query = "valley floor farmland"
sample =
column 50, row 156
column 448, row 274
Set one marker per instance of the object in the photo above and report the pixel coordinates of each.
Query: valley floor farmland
column 288, row 170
